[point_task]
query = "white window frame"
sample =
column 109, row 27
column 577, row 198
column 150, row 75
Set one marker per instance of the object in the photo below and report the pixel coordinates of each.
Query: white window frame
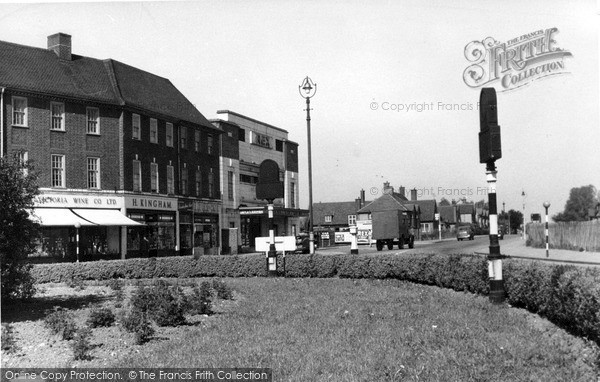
column 169, row 134
column 93, row 173
column 153, row 130
column 22, row 113
column 136, row 126
column 170, row 180
column 53, row 116
column 328, row 218
column 137, row 176
column 154, row 178
column 92, row 121
column 60, row 169
column 351, row 219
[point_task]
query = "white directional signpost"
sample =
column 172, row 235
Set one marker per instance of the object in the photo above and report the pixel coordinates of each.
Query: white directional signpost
column 269, row 187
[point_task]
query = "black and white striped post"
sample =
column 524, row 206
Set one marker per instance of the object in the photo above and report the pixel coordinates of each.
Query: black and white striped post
column 489, row 152
column 546, row 206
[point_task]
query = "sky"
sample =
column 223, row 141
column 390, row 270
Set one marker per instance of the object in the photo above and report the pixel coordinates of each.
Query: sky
column 391, row 102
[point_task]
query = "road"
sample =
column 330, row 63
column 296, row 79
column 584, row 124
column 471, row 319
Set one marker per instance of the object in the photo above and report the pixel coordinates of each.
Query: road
column 447, row 246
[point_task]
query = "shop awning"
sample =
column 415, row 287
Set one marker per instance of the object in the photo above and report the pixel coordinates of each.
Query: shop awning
column 105, row 217
column 52, row 217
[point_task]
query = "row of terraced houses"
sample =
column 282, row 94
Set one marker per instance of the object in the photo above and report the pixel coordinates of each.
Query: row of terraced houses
column 127, row 163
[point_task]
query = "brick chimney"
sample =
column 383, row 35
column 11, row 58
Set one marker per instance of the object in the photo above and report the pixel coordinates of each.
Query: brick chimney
column 362, row 198
column 413, row 194
column 60, row 43
column 402, row 191
column 357, row 204
column 387, row 189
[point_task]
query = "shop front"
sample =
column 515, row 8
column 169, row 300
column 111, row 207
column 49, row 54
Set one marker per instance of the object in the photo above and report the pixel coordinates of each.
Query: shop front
column 85, row 221
column 254, row 222
column 199, row 227
column 157, row 237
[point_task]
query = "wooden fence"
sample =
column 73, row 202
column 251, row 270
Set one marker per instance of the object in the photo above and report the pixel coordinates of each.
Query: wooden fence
column 584, row 235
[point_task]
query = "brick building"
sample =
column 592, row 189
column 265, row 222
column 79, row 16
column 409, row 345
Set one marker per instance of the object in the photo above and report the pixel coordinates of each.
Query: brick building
column 120, row 153
column 246, row 143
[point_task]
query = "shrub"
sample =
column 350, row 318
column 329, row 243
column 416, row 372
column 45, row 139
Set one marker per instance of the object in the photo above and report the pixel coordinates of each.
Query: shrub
column 9, row 342
column 61, row 322
column 76, row 283
column 101, row 317
column 81, row 344
column 137, row 322
column 222, row 290
column 160, row 303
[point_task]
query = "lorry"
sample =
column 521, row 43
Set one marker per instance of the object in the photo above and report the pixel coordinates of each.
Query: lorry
column 393, row 227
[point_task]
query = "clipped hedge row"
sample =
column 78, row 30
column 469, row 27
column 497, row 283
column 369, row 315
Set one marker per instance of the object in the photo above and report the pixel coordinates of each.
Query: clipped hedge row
column 569, row 296
column 184, row 267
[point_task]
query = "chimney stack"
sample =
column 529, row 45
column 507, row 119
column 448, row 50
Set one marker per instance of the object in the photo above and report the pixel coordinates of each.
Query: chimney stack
column 362, row 198
column 402, row 191
column 413, row 194
column 357, row 204
column 60, row 43
column 387, row 189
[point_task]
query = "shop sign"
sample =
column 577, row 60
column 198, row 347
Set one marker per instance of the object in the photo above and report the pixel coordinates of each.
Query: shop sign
column 77, row 201
column 206, row 207
column 151, row 203
column 261, row 139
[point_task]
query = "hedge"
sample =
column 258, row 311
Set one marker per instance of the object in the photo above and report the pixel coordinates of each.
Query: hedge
column 569, row 296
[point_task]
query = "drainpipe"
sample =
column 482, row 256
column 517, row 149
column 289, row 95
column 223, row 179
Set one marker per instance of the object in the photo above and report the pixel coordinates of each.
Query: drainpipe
column 2, row 122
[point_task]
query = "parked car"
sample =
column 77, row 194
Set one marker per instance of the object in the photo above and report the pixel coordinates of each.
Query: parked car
column 465, row 232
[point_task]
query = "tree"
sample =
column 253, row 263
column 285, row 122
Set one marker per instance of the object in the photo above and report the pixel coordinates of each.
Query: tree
column 18, row 233
column 581, row 199
column 516, row 219
column 444, row 202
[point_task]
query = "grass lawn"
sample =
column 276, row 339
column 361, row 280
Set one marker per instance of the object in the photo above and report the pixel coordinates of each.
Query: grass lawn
column 362, row 330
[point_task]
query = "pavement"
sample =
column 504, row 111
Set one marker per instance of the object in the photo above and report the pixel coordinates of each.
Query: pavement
column 516, row 248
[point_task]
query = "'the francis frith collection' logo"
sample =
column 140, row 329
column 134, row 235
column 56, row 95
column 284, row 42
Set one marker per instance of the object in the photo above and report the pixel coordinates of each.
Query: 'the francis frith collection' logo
column 515, row 63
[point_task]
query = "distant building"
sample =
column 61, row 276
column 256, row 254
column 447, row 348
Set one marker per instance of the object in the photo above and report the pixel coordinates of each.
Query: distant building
column 428, row 210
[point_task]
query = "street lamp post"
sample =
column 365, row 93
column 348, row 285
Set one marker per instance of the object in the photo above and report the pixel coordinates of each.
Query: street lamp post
column 307, row 90
column 523, row 195
column 546, row 206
